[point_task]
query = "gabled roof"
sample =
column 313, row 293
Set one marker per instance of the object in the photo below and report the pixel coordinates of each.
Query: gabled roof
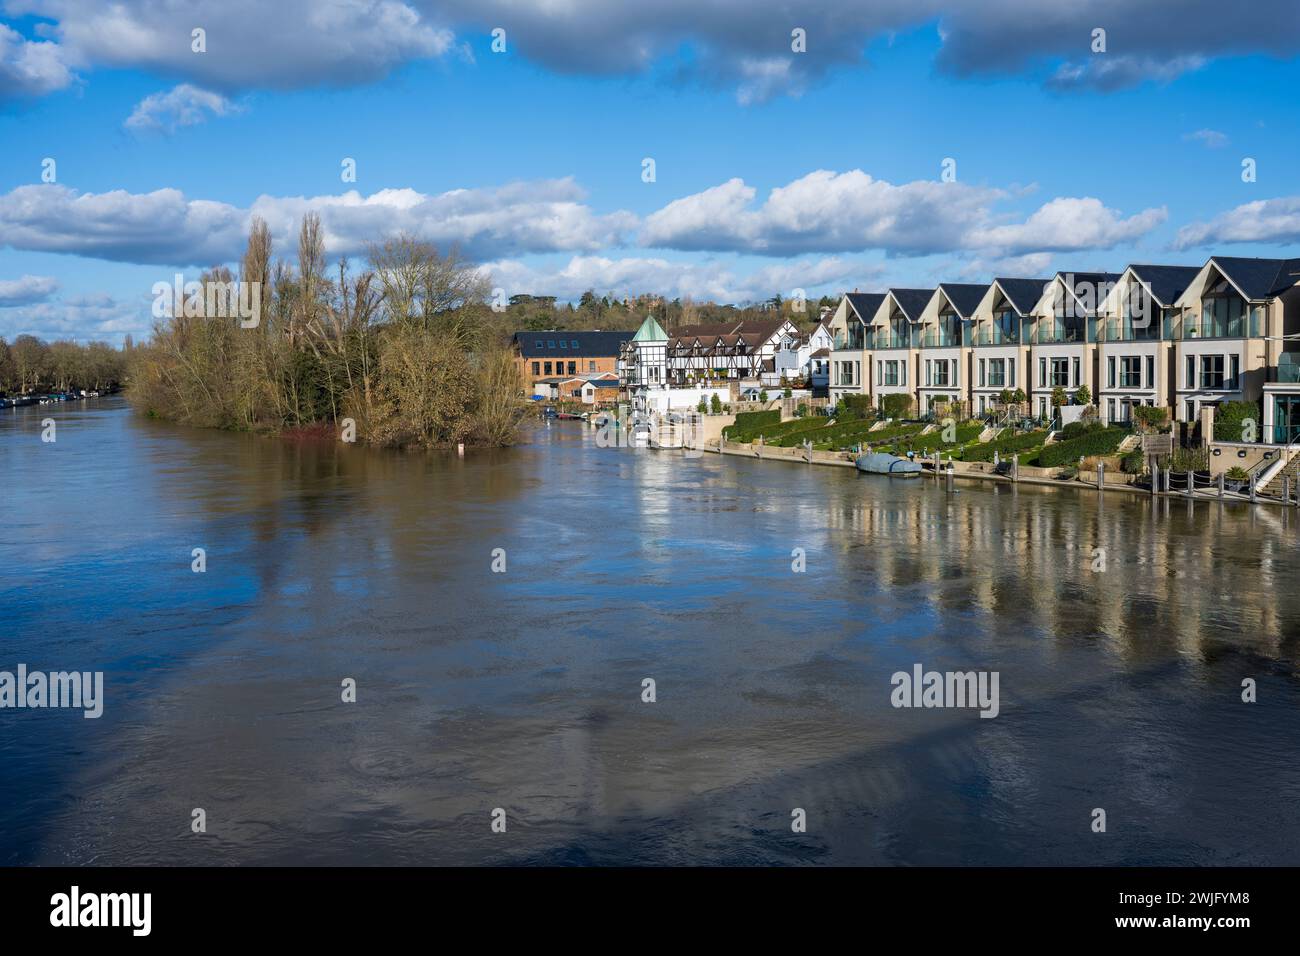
column 912, row 302
column 865, row 304
column 576, row 344
column 1259, row 278
column 650, row 331
column 964, row 296
column 1023, row 294
column 1165, row 283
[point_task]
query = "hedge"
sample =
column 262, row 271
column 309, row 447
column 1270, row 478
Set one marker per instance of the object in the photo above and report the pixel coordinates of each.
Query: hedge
column 1005, row 445
column 1230, row 418
column 931, row 442
column 770, row 432
column 748, row 421
column 849, row 433
column 1101, row 441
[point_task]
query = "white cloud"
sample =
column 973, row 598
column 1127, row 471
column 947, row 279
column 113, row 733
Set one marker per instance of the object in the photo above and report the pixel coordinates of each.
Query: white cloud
column 288, row 44
column 851, row 212
column 1210, row 138
column 165, row 227
column 183, row 105
column 708, row 280
column 31, row 68
column 823, row 211
column 1066, row 224
column 27, row 290
column 1265, row 220
column 82, row 318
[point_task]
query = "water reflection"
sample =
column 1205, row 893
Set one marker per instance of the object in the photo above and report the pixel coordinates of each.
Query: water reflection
column 522, row 690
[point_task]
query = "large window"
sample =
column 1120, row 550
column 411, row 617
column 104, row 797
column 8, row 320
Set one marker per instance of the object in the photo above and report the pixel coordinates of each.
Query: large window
column 1212, row 375
column 1060, row 374
column 1130, row 371
column 998, row 373
column 941, row 374
column 1223, row 312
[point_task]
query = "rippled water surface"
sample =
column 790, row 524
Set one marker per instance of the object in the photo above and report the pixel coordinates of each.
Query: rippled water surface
column 1119, row 689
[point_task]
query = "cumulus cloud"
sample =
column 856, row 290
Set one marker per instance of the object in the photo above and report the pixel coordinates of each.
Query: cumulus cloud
column 301, row 43
column 183, row 105
column 1265, row 220
column 27, row 290
column 823, row 211
column 850, row 212
column 710, row 280
column 1067, row 224
column 30, row 68
column 166, row 227
column 249, row 43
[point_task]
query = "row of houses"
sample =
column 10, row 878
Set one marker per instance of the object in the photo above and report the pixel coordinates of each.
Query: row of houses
column 1180, row 337
column 726, row 356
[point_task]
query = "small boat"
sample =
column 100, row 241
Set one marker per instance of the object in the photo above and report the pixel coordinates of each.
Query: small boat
column 881, row 463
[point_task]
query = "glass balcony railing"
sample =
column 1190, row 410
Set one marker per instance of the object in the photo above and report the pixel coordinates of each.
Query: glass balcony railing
column 1287, row 370
column 994, row 336
column 1128, row 330
column 940, row 340
column 1049, row 333
column 1205, row 327
column 888, row 340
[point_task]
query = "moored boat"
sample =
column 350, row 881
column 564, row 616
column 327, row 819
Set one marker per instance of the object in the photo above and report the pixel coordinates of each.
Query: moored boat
column 881, row 463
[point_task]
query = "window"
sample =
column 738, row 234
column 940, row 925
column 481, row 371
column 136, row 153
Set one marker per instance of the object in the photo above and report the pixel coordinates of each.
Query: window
column 548, row 368
column 891, row 374
column 998, row 372
column 941, row 373
column 982, row 381
column 1212, row 371
column 1190, row 379
column 550, row 343
column 880, row 372
column 1234, row 374
column 1110, row 409
column 591, row 366
column 1190, row 410
column 563, row 344
column 573, row 368
column 537, row 368
column 1151, row 371
column 1011, row 373
column 574, row 343
column 927, row 371
column 538, row 343
column 1060, row 373
column 1042, row 371
column 1130, row 371
column 1076, row 372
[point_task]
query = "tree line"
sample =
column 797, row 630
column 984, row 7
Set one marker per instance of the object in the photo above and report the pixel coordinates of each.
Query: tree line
column 31, row 365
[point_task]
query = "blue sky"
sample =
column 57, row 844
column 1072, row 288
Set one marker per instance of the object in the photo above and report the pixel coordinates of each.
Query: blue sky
column 1065, row 157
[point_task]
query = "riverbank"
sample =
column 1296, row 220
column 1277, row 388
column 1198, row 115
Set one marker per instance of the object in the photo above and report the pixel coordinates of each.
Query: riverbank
column 985, row 472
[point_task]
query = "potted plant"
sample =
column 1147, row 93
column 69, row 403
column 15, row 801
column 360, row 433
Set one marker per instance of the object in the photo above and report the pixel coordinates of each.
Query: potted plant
column 1236, row 478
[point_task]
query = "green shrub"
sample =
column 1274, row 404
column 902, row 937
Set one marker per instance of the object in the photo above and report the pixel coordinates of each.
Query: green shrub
column 855, row 406
column 930, row 442
column 1079, row 429
column 1134, row 463
column 1005, row 445
column 844, row 434
column 1230, row 421
column 748, row 421
column 895, row 405
column 716, row 405
column 1237, row 473
column 1094, row 441
column 1189, row 459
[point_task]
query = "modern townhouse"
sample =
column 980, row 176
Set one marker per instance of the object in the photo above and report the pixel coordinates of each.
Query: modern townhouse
column 893, row 343
column 999, row 347
column 944, row 326
column 1063, row 353
column 1236, row 336
column 1134, row 357
column 848, row 328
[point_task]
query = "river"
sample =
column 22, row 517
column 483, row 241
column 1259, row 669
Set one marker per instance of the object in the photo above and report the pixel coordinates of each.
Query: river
column 1121, row 631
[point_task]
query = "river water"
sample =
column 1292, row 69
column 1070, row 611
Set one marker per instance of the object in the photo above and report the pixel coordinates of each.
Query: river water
column 1121, row 631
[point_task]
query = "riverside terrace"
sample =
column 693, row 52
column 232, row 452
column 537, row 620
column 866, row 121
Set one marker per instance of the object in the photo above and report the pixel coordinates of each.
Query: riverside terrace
column 1184, row 339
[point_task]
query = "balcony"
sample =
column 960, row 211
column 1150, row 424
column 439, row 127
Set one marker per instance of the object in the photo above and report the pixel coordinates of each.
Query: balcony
column 940, row 340
column 1191, row 327
column 1287, row 370
column 1054, row 333
column 1127, row 330
column 988, row 335
column 883, row 339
